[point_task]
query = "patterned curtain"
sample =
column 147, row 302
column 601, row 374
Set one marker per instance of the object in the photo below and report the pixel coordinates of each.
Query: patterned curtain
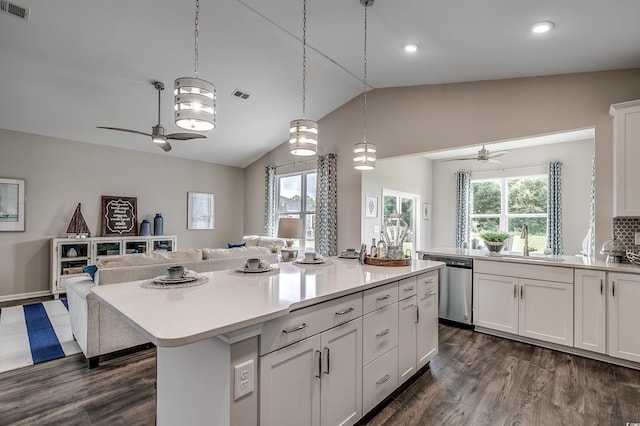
column 270, row 201
column 326, row 229
column 463, row 193
column 591, row 242
column 554, row 208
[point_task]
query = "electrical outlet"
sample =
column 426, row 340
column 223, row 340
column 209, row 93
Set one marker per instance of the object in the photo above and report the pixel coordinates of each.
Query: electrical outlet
column 243, row 379
column 638, row 238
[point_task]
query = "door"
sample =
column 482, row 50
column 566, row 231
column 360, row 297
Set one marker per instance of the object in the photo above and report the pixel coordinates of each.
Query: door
column 290, row 385
column 546, row 311
column 427, row 327
column 495, row 302
column 407, row 335
column 341, row 387
column 624, row 316
column 590, row 316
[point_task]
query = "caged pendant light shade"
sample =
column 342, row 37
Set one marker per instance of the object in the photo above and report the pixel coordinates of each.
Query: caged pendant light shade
column 364, row 154
column 303, row 133
column 195, row 98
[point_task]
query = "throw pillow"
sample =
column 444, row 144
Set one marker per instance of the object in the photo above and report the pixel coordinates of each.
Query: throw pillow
column 91, row 270
column 232, row 245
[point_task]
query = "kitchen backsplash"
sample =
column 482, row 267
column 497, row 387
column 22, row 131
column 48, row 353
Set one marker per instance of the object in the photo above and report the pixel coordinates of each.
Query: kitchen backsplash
column 624, row 230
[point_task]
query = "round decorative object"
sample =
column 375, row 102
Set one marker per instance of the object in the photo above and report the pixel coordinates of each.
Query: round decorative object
column 72, row 252
column 633, row 257
column 494, row 246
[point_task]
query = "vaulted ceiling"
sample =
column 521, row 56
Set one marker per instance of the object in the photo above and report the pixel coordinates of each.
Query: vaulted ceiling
column 79, row 64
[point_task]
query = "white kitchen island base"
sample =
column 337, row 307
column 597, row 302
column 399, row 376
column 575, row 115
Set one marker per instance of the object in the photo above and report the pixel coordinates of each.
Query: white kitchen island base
column 194, row 384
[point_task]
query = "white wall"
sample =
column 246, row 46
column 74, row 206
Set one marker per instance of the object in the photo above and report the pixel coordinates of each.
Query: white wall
column 405, row 174
column 60, row 173
column 576, row 187
column 411, row 120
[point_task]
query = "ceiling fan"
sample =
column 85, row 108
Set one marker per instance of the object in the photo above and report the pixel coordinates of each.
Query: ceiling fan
column 484, row 156
column 157, row 134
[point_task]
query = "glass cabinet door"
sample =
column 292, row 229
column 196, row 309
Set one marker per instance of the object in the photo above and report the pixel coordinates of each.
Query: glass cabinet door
column 136, row 246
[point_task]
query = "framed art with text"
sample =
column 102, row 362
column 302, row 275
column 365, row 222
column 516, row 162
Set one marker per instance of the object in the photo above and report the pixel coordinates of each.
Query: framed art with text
column 119, row 216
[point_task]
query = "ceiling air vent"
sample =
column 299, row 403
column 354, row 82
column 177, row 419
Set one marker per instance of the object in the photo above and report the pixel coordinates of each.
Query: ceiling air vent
column 240, row 94
column 14, row 9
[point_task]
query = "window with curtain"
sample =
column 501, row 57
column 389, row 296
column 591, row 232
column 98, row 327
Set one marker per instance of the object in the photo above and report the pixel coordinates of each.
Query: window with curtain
column 296, row 195
column 504, row 204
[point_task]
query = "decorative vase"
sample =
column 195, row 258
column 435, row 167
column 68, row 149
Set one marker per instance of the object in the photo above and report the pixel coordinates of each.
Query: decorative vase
column 158, row 225
column 394, row 232
column 494, row 246
column 145, row 228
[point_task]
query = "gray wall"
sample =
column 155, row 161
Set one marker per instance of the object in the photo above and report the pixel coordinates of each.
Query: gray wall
column 411, row 120
column 60, row 173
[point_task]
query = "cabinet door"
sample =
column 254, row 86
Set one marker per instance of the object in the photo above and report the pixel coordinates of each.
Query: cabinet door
column 341, row 387
column 590, row 310
column 626, row 151
column 624, row 316
column 407, row 338
column 290, row 385
column 495, row 302
column 546, row 311
column 427, row 327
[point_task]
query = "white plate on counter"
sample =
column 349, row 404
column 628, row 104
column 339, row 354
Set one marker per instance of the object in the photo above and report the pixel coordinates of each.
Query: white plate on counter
column 261, row 269
column 310, row 262
column 346, row 256
column 166, row 280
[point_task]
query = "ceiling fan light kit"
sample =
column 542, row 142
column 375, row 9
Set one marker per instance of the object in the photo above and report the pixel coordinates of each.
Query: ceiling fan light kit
column 195, row 98
column 303, row 133
column 364, row 154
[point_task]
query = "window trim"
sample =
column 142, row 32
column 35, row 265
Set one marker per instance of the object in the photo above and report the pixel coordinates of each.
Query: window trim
column 303, row 212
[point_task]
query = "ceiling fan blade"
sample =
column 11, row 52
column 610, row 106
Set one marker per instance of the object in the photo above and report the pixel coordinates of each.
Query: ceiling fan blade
column 499, row 154
column 124, row 130
column 494, row 161
column 165, row 146
column 185, row 136
column 461, row 159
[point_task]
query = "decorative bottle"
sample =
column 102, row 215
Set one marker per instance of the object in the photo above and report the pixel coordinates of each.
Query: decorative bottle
column 158, row 225
column 382, row 249
column 374, row 249
column 145, row 228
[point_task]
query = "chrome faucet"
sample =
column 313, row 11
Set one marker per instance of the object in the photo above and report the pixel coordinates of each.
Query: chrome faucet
column 525, row 236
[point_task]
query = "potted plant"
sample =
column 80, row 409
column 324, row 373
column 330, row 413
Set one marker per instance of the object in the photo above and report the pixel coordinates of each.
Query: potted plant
column 494, row 240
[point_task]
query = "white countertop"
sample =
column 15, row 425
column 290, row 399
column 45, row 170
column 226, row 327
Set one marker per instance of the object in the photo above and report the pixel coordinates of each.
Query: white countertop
column 230, row 302
column 537, row 259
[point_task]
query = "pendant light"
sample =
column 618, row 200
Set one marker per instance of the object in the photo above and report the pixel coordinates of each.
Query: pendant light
column 364, row 154
column 195, row 99
column 303, row 133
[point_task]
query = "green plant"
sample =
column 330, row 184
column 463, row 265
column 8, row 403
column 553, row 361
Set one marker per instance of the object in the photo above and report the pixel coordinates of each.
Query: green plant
column 494, row 237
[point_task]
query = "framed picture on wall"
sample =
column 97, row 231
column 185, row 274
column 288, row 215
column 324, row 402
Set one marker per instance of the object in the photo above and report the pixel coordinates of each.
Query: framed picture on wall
column 11, row 204
column 200, row 210
column 426, row 211
column 119, row 216
column 371, row 207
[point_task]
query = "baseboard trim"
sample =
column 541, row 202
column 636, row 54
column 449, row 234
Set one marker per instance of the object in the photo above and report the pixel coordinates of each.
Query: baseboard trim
column 12, row 297
column 561, row 348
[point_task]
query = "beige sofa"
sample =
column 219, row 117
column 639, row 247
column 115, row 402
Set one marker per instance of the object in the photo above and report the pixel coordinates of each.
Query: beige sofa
column 98, row 330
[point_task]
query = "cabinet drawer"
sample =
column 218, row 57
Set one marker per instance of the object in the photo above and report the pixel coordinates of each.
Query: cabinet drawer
column 427, row 284
column 379, row 379
column 306, row 322
column 407, row 287
column 522, row 270
column 379, row 297
column 380, row 332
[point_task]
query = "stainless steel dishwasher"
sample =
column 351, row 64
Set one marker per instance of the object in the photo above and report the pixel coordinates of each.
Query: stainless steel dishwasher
column 455, row 289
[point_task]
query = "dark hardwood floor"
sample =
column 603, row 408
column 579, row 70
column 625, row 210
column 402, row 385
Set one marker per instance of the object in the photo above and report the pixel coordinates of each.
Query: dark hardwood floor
column 475, row 380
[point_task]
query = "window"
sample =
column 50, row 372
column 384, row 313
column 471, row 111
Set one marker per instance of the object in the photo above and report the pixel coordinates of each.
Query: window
column 405, row 204
column 297, row 198
column 504, row 204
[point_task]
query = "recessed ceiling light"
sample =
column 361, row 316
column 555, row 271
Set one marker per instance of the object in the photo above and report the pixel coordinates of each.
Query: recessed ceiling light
column 411, row 48
column 542, row 27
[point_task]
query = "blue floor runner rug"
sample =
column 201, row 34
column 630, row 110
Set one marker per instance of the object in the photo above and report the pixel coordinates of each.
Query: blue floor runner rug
column 44, row 343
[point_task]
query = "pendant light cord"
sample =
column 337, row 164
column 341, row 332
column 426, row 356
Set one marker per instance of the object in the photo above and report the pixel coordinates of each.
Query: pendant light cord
column 197, row 25
column 364, row 81
column 304, row 58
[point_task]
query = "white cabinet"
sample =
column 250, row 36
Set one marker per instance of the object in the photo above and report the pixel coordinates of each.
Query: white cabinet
column 427, row 332
column 623, row 316
column 590, row 316
column 69, row 255
column 407, row 338
column 626, row 151
column 517, row 303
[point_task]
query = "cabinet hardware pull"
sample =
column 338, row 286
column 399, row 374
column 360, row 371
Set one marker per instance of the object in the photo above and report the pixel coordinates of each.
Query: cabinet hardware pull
column 383, row 332
column 384, row 379
column 417, row 314
column 386, row 296
column 521, row 292
column 328, row 359
column 409, row 288
column 294, row 329
column 429, row 281
column 344, row 311
column 600, row 286
column 430, row 293
column 514, row 291
column 613, row 288
column 319, row 364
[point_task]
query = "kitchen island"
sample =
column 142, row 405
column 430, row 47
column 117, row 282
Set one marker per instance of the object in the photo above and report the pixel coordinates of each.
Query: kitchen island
column 194, row 327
